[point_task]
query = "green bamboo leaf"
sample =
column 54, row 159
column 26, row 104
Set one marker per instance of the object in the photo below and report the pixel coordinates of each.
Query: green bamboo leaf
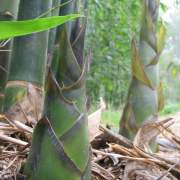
column 20, row 28
column 137, row 68
column 161, row 36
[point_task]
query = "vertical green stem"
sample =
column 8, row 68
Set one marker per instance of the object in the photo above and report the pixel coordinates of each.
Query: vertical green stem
column 60, row 148
column 52, row 33
column 53, row 51
column 28, row 61
column 8, row 11
column 9, row 6
column 142, row 101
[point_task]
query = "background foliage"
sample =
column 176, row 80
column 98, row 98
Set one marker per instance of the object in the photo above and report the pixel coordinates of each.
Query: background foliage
column 112, row 24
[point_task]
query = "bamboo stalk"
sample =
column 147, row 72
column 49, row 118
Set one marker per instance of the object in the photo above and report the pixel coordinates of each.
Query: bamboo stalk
column 28, row 64
column 52, row 33
column 8, row 11
column 60, row 148
column 142, row 101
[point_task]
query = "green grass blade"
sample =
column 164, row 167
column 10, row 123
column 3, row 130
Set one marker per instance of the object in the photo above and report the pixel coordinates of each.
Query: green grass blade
column 20, row 28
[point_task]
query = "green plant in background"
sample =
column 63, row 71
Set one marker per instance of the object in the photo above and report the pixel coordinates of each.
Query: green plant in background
column 60, row 148
column 110, row 28
column 110, row 117
column 170, row 109
column 145, row 92
column 170, row 67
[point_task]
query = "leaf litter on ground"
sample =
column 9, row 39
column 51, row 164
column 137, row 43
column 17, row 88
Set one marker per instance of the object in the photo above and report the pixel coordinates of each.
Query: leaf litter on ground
column 114, row 157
